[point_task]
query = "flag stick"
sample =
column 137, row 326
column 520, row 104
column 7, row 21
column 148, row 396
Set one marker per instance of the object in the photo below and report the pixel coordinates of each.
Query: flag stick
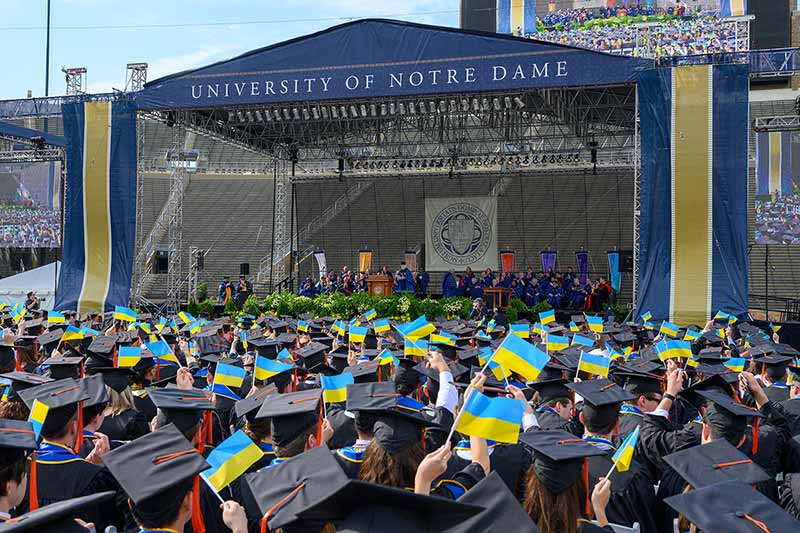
column 613, row 467
column 212, row 488
column 466, row 397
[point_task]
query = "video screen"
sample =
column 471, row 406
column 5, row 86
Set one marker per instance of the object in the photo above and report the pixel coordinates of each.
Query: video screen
column 30, row 205
column 777, row 206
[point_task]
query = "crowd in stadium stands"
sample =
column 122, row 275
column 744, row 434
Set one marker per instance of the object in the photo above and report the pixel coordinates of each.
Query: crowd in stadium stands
column 562, row 290
column 568, row 16
column 778, row 220
column 24, row 227
column 679, row 36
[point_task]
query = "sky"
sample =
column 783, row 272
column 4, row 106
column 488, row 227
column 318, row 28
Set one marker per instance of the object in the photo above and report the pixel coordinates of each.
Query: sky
column 170, row 35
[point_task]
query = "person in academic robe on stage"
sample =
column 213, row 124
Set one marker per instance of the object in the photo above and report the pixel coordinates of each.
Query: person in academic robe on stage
column 404, row 279
column 226, row 290
column 421, row 281
column 449, row 284
column 243, row 290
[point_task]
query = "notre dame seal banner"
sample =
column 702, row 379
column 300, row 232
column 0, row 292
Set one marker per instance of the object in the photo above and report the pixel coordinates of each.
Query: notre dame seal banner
column 460, row 233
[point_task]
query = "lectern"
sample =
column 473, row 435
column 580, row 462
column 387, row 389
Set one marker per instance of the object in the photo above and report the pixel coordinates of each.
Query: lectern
column 379, row 285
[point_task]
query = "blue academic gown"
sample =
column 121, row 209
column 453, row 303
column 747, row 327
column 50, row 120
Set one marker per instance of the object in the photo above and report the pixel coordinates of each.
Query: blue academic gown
column 449, row 285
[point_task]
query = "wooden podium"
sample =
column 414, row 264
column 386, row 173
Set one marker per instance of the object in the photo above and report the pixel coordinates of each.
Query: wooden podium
column 379, row 285
column 497, row 297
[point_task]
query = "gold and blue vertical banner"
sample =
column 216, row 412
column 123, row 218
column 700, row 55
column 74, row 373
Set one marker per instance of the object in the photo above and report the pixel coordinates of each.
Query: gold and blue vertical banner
column 732, row 8
column 100, row 206
column 774, row 163
column 693, row 226
column 514, row 15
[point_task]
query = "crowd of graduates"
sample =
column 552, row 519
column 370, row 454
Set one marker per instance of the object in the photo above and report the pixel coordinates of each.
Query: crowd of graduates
column 29, row 227
column 364, row 424
column 778, row 220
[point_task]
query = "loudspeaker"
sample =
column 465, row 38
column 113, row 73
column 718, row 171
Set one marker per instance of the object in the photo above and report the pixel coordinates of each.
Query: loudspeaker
column 244, row 269
column 626, row 261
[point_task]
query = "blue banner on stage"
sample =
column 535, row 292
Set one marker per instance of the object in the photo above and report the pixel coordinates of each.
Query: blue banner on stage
column 613, row 270
column 379, row 58
column 100, row 206
column 693, row 231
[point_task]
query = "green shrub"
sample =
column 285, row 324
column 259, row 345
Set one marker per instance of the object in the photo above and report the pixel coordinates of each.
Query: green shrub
column 202, row 292
column 541, row 307
column 515, row 307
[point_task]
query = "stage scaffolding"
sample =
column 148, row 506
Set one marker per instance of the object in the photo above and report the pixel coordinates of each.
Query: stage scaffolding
column 523, row 134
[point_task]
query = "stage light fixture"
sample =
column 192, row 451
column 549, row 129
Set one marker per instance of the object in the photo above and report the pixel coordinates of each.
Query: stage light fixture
column 432, row 106
column 392, row 108
column 496, row 102
column 560, row 158
column 384, row 110
column 315, row 113
column 412, row 109
column 334, row 112
column 422, row 108
column 394, row 164
column 343, row 111
column 486, row 160
column 453, row 106
column 476, row 106
column 464, row 105
column 231, row 116
column 325, row 113
column 485, row 104
column 277, row 114
column 259, row 117
column 306, row 114
column 535, row 160
column 526, row 160
column 507, row 102
column 249, row 115
column 240, row 116
column 552, row 158
column 286, row 115
column 295, row 113
column 353, row 111
column 442, row 106
column 401, row 108
column 518, row 102
column 363, row 109
column 267, row 115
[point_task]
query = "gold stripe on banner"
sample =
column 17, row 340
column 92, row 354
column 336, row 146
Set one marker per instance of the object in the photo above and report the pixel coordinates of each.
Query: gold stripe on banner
column 517, row 17
column 737, row 8
column 96, row 215
column 774, row 161
column 690, row 287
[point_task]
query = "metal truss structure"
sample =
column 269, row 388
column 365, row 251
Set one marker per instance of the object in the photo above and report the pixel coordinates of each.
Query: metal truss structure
column 780, row 123
column 136, row 76
column 518, row 133
column 31, row 156
column 76, row 80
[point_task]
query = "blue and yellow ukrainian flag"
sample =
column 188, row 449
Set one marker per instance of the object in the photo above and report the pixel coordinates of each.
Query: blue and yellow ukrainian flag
column 334, row 388
column 673, row 349
column 144, row 326
column 89, row 332
column 594, row 364
column 381, row 326
column 358, row 334
column 18, row 312
column 372, row 313
column 556, row 343
column 583, row 341
column 243, row 338
column 490, row 326
column 522, row 357
column 54, row 317
column 38, row 416
column 229, row 375
column 774, row 328
column 539, row 329
column 338, row 328
column 230, row 459
column 302, row 326
column 498, row 419
column 721, row 315
column 496, row 368
column 647, row 316
column 129, row 356
column 163, row 353
column 124, row 313
column 691, row 335
column 416, row 347
column 595, row 323
column 732, row 320
column 442, row 338
column 186, row 317
column 624, row 455
column 648, row 326
column 573, row 327
column 266, row 368
column 387, row 358
column 523, row 331
column 613, row 354
column 162, row 323
column 692, row 362
column 670, row 329
column 195, row 327
column 548, row 317
column 416, row 329
column 71, row 334
column 735, row 363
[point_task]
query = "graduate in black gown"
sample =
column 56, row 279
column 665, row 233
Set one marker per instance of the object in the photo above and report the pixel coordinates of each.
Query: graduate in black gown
column 122, row 421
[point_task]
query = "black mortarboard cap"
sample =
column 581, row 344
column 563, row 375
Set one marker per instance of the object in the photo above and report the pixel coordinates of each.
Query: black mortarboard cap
column 732, row 507
column 116, row 378
column 182, row 407
column 266, row 347
column 406, row 374
column 601, row 392
column 728, row 404
column 455, row 369
column 57, row 517
column 50, row 337
column 64, row 367
column 501, row 513
column 295, row 485
column 148, row 467
column 362, row 507
column 102, row 346
column 16, row 435
column 250, row 405
column 715, row 462
column 558, row 457
column 60, row 396
column 550, row 389
column 364, row 372
column 775, row 360
column 95, row 390
column 640, row 384
column 313, row 355
column 23, row 380
column 290, row 413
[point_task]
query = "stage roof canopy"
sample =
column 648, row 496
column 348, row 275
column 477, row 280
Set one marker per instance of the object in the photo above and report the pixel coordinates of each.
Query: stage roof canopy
column 23, row 134
column 384, row 58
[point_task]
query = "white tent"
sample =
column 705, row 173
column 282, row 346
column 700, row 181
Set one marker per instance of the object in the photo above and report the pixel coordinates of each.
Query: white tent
column 41, row 280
